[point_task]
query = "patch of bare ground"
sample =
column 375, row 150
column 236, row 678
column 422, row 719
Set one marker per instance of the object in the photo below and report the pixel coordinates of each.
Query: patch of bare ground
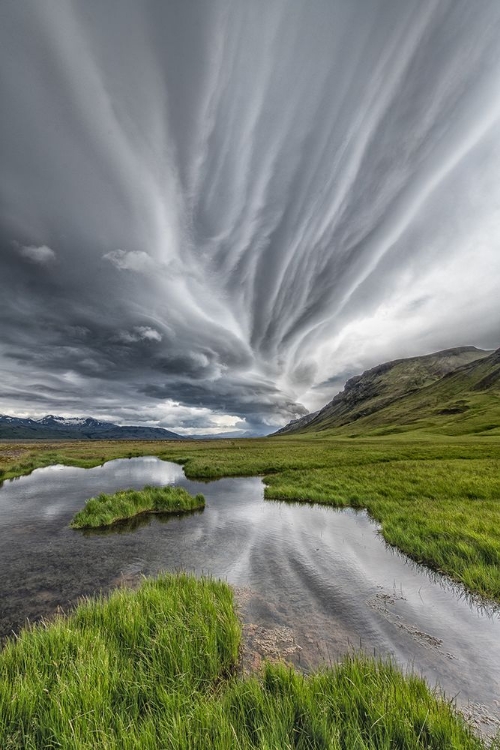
column 481, row 719
column 9, row 452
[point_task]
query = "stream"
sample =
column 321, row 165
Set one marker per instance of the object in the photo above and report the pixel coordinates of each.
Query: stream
column 313, row 583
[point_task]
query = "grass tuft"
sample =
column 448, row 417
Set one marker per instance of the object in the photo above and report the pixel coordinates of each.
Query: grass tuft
column 106, row 510
column 154, row 669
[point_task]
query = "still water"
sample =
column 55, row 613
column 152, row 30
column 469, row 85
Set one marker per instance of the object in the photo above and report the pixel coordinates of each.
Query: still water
column 313, row 582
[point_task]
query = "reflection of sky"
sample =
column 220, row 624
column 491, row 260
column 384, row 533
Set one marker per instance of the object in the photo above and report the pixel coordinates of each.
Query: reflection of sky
column 51, row 511
column 74, row 485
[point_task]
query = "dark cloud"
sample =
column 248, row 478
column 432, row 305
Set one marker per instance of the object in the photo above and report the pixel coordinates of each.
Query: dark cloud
column 211, row 212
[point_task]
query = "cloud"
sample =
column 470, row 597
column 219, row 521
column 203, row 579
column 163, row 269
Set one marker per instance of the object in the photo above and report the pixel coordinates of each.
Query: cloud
column 148, row 334
column 139, row 333
column 134, row 260
column 249, row 202
column 41, row 254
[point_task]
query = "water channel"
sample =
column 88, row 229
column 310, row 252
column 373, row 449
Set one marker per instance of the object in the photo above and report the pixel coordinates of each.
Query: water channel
column 312, row 582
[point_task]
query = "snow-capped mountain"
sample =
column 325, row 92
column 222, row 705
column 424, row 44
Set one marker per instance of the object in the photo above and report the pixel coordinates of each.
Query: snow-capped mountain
column 51, row 419
column 53, row 427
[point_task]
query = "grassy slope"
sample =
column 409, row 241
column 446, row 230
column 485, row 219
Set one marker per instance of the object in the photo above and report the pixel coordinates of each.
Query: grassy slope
column 437, row 499
column 465, row 402
column 105, row 510
column 150, row 669
column 383, row 385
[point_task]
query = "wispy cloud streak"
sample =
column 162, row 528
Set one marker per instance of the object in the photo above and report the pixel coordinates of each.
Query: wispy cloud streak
column 228, row 206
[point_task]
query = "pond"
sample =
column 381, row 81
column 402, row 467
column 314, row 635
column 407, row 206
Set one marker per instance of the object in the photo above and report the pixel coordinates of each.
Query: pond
column 313, row 582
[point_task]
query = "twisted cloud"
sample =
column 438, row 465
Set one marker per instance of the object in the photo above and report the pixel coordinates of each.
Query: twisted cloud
column 212, row 213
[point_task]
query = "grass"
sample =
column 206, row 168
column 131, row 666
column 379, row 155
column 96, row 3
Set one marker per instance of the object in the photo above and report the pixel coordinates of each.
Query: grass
column 155, row 669
column 106, row 510
column 437, row 498
column 442, row 513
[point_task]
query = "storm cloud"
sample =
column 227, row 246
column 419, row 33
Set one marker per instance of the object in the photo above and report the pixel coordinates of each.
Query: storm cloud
column 213, row 212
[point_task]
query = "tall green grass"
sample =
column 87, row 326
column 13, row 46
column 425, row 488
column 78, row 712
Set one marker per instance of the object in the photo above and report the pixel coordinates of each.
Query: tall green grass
column 445, row 514
column 105, row 510
column 155, row 669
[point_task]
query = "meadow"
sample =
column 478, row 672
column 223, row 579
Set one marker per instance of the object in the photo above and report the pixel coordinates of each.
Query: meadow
column 158, row 667
column 436, row 498
column 155, row 668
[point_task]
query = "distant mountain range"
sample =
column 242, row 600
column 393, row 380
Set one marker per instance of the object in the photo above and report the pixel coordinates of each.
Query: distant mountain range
column 455, row 392
column 452, row 392
column 77, row 428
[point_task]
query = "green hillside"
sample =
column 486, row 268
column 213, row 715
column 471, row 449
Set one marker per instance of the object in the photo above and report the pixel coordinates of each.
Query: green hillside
column 453, row 392
column 464, row 402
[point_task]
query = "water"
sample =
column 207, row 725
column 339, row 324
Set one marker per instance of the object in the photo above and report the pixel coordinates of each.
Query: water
column 313, row 582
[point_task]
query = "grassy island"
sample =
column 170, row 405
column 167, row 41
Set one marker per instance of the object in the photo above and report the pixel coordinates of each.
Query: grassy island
column 155, row 668
column 105, row 510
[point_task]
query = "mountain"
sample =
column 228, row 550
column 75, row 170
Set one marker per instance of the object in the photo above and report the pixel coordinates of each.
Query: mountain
column 297, row 424
column 232, row 435
column 77, row 428
column 418, row 392
column 466, row 401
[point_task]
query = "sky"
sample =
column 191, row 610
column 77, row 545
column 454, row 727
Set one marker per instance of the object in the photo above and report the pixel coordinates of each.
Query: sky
column 213, row 213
